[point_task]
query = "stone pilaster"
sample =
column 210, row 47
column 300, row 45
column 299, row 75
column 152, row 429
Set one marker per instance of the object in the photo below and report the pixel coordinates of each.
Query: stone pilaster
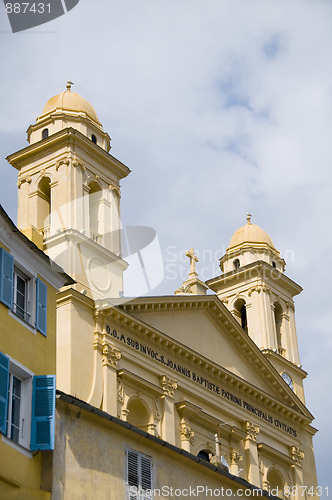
column 297, row 455
column 251, row 453
column 169, row 387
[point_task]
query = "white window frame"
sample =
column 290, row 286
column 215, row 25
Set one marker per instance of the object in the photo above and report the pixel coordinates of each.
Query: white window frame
column 26, row 272
column 25, row 376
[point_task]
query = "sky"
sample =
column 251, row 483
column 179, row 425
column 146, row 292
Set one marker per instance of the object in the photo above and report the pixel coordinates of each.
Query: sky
column 219, row 108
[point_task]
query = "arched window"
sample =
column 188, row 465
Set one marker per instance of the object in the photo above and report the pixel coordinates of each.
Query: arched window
column 276, row 482
column 278, row 312
column 236, row 264
column 205, row 455
column 274, row 264
column 45, row 133
column 241, row 313
column 94, row 139
column 95, row 197
column 44, row 205
column 288, row 380
column 138, row 414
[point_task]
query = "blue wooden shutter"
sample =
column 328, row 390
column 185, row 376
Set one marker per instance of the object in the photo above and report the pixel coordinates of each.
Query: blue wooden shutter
column 43, row 412
column 41, row 307
column 6, row 278
column 4, row 380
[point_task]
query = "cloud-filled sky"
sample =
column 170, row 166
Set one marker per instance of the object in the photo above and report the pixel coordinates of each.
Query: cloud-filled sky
column 218, row 107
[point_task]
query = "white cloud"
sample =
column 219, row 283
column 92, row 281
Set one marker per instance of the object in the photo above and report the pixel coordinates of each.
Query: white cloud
column 217, row 107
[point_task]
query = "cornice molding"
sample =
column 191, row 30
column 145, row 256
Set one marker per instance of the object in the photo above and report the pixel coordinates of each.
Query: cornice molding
column 268, row 451
column 254, row 270
column 66, row 137
column 141, row 383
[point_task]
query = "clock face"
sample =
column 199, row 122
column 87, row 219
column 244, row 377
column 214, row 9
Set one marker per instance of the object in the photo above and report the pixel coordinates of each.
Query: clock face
column 288, row 380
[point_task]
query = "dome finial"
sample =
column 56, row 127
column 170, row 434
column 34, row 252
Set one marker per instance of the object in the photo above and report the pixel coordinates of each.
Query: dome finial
column 69, row 84
column 249, row 218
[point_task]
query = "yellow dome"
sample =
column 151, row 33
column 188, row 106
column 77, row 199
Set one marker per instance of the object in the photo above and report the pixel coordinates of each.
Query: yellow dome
column 72, row 102
column 250, row 233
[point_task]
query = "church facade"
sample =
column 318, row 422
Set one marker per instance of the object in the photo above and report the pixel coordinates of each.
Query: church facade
column 201, row 389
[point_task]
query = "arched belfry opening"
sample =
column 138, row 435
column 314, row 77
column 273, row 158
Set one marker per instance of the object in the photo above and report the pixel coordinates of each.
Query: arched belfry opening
column 138, row 414
column 278, row 316
column 44, row 205
column 95, row 200
column 240, row 311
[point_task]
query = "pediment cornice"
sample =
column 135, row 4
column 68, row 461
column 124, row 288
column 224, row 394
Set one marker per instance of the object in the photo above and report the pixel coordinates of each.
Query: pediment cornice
column 281, row 400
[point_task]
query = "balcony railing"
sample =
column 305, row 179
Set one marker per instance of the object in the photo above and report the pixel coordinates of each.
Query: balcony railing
column 21, row 313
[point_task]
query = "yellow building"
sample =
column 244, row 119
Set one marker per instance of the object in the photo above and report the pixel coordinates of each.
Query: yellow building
column 28, row 285
column 184, row 391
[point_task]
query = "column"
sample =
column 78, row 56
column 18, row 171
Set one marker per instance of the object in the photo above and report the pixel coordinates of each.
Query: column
column 169, row 386
column 256, row 326
column 251, row 453
column 114, row 241
column 110, row 358
column 79, row 196
column 187, row 435
column 294, row 353
column 297, row 455
column 24, row 217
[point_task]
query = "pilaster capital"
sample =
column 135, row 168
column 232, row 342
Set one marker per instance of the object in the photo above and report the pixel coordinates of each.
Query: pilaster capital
column 290, row 306
column 297, row 454
column 115, row 189
column 110, row 356
column 259, row 289
column 252, row 430
column 187, row 434
column 78, row 164
column 168, row 385
column 236, row 458
column 62, row 161
column 254, row 289
column 21, row 180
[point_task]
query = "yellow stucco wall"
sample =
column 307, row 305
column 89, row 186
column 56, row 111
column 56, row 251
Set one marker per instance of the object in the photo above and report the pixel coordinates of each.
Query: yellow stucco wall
column 20, row 470
column 90, row 460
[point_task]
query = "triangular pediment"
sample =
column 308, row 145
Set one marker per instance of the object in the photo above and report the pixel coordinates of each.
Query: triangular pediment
column 203, row 324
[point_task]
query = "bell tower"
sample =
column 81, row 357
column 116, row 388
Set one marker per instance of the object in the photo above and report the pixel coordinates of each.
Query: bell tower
column 69, row 193
column 259, row 295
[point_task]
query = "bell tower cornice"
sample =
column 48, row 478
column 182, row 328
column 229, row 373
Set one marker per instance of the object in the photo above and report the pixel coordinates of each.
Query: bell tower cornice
column 259, row 270
column 69, row 139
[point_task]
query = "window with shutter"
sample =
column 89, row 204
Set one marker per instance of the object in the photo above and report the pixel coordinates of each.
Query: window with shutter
column 43, row 413
column 6, row 278
column 139, row 476
column 41, row 307
column 17, row 413
column 4, row 381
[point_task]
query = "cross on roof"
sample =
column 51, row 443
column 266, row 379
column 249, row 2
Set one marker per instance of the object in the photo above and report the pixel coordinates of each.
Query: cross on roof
column 193, row 260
